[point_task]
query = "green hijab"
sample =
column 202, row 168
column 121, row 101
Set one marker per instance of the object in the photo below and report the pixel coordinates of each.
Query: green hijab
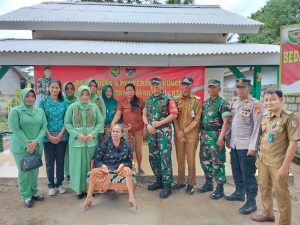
column 94, row 96
column 70, row 99
column 23, row 105
column 80, row 90
column 110, row 103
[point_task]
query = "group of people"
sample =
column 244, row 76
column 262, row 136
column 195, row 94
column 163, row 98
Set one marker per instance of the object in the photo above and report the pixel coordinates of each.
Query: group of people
column 71, row 130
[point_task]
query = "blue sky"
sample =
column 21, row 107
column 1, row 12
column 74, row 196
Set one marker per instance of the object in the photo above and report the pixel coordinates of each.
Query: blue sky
column 242, row 7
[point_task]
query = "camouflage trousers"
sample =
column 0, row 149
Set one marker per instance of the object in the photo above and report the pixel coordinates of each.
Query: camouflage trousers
column 160, row 148
column 212, row 157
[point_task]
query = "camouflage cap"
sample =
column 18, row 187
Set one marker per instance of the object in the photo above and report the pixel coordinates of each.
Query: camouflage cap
column 214, row 82
column 243, row 82
column 187, row 80
column 155, row 80
column 47, row 68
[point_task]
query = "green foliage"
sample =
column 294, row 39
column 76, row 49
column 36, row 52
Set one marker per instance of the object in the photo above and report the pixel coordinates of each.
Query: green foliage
column 16, row 100
column 274, row 14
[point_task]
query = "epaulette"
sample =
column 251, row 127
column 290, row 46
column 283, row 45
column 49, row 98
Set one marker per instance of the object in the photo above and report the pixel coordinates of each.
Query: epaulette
column 287, row 111
column 266, row 113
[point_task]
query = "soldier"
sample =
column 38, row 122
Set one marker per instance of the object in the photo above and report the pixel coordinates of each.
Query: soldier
column 246, row 116
column 278, row 144
column 160, row 110
column 214, row 125
column 42, row 86
column 187, row 134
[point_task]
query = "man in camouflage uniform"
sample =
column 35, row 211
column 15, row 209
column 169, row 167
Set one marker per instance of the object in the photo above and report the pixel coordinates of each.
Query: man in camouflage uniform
column 160, row 110
column 214, row 125
column 246, row 117
column 42, row 86
column 186, row 128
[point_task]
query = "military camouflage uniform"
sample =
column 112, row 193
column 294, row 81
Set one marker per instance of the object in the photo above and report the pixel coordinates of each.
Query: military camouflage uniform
column 160, row 147
column 212, row 157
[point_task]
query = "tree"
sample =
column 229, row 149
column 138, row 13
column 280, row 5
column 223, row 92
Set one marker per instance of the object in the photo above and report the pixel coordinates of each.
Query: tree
column 274, row 14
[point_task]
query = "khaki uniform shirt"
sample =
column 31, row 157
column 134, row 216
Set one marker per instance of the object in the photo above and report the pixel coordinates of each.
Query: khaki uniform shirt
column 246, row 117
column 284, row 126
column 189, row 113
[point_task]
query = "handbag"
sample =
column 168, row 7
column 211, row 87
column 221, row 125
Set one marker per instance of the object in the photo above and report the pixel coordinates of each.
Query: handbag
column 31, row 162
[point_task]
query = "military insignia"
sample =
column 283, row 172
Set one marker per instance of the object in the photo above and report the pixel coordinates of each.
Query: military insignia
column 295, row 123
column 130, row 72
column 115, row 71
column 257, row 108
column 294, row 36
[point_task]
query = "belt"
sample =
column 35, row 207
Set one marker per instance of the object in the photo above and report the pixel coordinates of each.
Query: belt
column 211, row 128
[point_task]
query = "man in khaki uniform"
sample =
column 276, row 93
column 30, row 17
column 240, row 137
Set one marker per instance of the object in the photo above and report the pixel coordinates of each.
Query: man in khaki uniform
column 187, row 134
column 279, row 137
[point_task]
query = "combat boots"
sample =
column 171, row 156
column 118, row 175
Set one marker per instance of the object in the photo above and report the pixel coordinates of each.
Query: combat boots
column 166, row 192
column 208, row 186
column 249, row 207
column 218, row 193
column 156, row 185
column 238, row 195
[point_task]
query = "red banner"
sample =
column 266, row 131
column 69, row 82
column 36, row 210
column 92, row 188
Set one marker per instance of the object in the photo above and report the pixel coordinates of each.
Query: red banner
column 290, row 54
column 118, row 77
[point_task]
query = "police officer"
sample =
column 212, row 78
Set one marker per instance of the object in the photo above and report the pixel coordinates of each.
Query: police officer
column 187, row 134
column 160, row 110
column 246, row 116
column 278, row 144
column 214, row 125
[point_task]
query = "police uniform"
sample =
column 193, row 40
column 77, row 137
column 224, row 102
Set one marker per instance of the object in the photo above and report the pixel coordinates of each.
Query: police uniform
column 246, row 116
column 158, row 108
column 189, row 112
column 277, row 130
column 212, row 157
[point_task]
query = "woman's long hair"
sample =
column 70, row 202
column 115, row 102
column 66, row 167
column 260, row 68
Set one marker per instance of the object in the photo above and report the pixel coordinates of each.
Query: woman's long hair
column 135, row 101
column 60, row 94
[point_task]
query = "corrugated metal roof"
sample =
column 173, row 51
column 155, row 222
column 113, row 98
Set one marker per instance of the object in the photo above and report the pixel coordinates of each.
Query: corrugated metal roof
column 131, row 48
column 127, row 14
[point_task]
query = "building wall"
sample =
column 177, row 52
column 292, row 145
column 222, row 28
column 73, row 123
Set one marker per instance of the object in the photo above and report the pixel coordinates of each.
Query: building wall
column 9, row 83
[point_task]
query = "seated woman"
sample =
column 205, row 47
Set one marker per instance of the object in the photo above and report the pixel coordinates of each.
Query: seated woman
column 113, row 156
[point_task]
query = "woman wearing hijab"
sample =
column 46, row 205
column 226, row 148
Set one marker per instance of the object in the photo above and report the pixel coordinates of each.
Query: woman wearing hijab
column 83, row 122
column 56, row 139
column 95, row 98
column 28, row 124
column 69, row 91
column 130, row 109
column 110, row 104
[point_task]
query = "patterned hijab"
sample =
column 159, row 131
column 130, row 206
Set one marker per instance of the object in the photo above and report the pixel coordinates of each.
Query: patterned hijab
column 70, row 99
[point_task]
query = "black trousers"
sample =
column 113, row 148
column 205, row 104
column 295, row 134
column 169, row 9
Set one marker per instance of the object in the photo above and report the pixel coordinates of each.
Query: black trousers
column 55, row 154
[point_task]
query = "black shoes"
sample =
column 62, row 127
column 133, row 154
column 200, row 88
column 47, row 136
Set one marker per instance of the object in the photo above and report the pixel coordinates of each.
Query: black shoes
column 28, row 203
column 190, row 189
column 208, row 186
column 178, row 186
column 236, row 196
column 166, row 192
column 218, row 193
column 156, row 185
column 248, row 208
column 81, row 195
column 38, row 198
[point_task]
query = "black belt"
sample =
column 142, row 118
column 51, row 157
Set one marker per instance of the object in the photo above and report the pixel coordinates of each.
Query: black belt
column 211, row 128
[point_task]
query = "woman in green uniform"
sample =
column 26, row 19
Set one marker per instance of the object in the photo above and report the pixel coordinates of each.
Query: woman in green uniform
column 69, row 91
column 83, row 122
column 28, row 124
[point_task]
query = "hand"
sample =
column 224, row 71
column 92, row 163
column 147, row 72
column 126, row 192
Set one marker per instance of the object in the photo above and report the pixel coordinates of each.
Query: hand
column 53, row 139
column 120, row 168
column 89, row 138
column 180, row 134
column 32, row 145
column 183, row 139
column 220, row 142
column 105, row 168
column 251, row 153
column 227, row 145
column 59, row 137
column 282, row 172
column 81, row 137
column 151, row 129
column 156, row 124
